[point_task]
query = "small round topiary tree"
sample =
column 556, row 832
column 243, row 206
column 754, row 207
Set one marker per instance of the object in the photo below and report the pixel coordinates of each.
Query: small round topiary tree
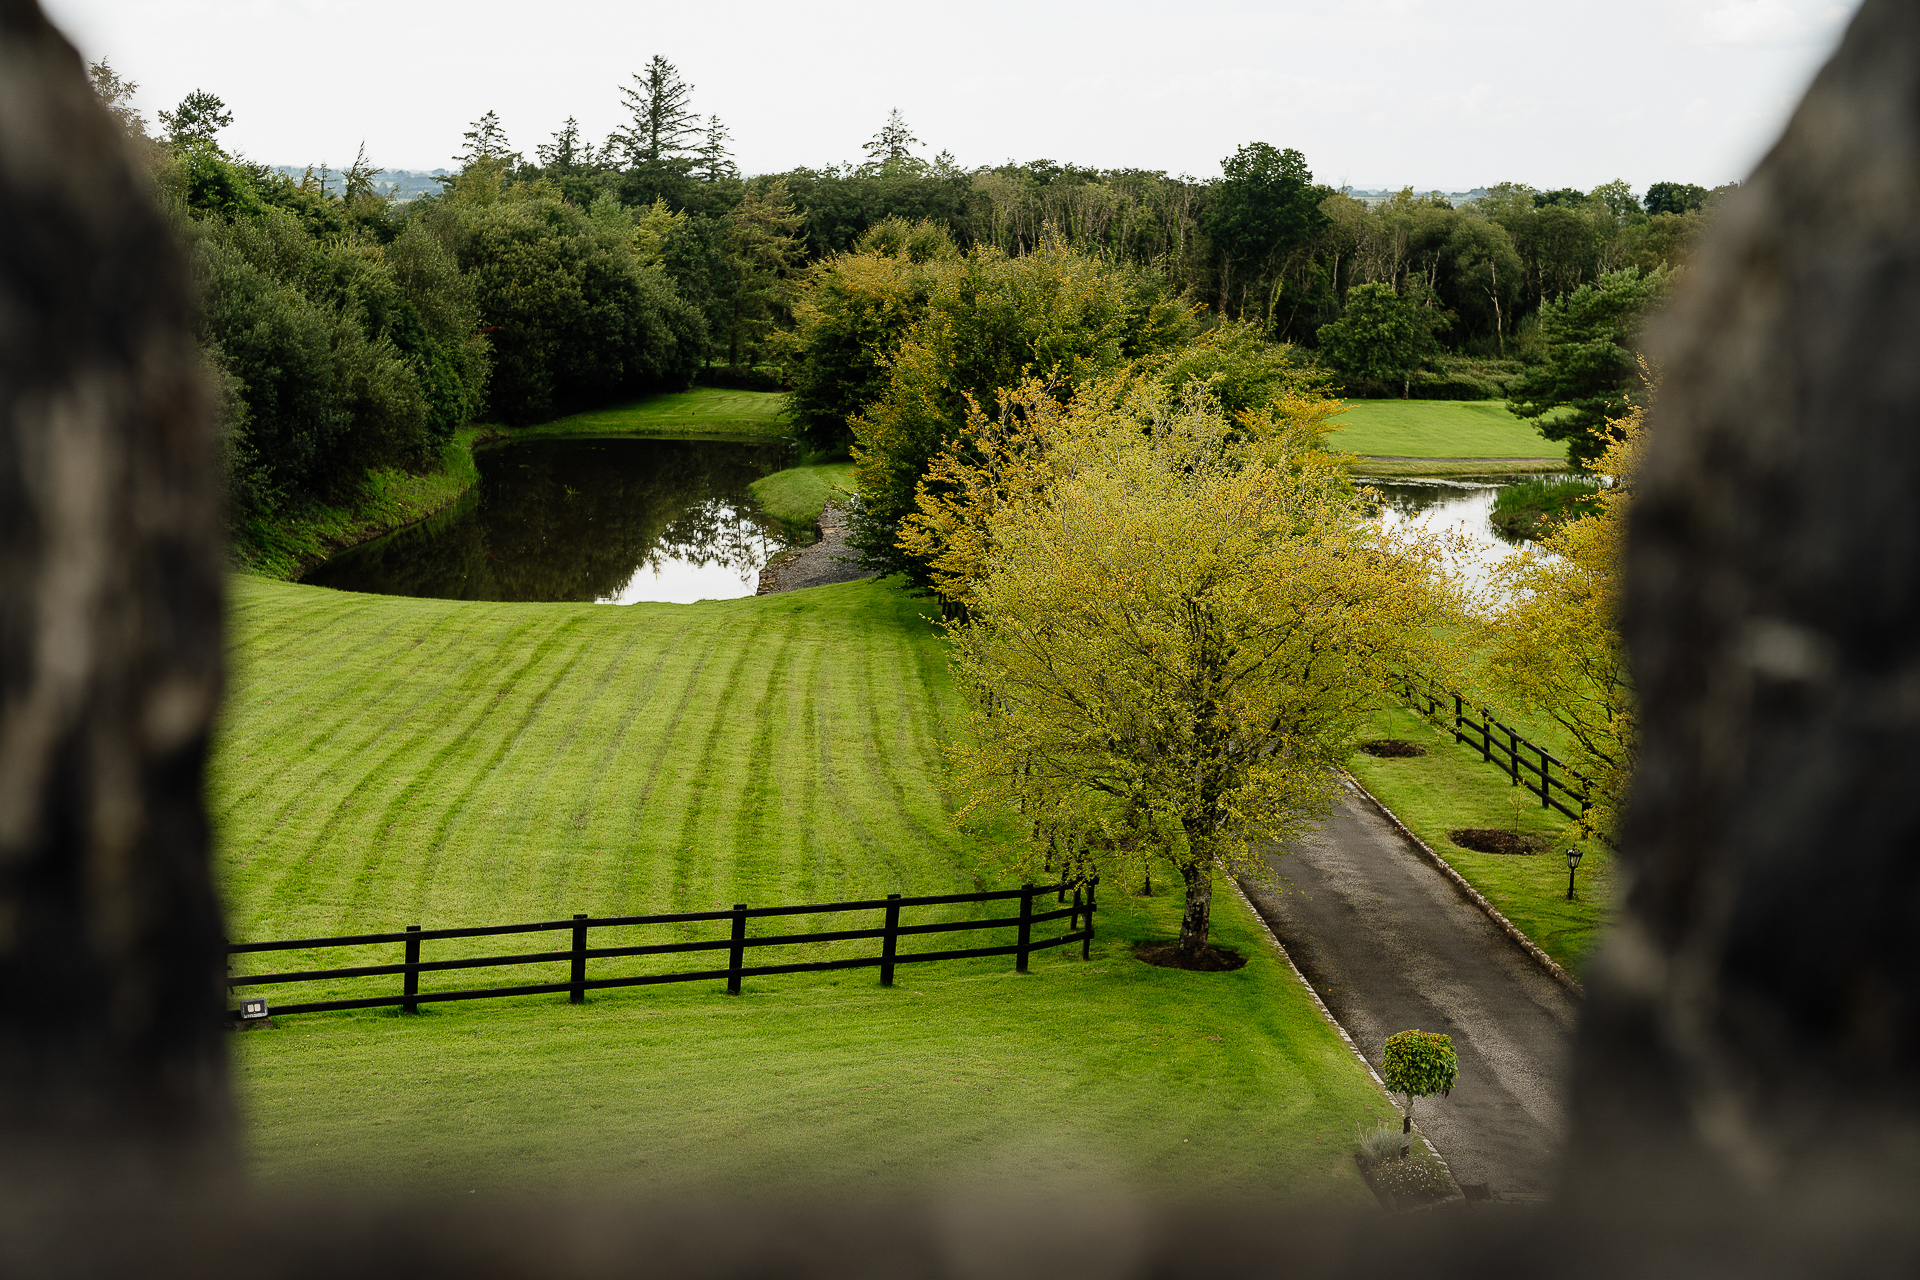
column 1418, row 1064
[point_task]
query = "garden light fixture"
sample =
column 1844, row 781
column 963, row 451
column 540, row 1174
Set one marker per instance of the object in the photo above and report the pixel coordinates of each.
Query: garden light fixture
column 1573, row 864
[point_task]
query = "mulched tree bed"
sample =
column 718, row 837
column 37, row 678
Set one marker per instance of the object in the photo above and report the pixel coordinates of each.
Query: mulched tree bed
column 1392, row 748
column 1167, row 955
column 1499, row 840
column 1404, row 1184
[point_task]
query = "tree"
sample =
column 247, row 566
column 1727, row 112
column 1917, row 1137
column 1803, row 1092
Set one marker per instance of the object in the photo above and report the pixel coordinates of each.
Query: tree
column 989, row 320
column 1382, row 336
column 575, row 319
column 763, row 250
column 715, row 161
column 1418, row 1064
column 1264, row 204
column 889, row 146
column 196, row 120
column 487, row 145
column 357, row 182
column 662, row 115
column 1032, row 440
column 850, row 312
column 1565, row 197
column 568, row 151
column 1618, row 200
column 1675, row 197
column 1589, row 374
column 117, row 96
column 1173, row 641
column 1556, row 649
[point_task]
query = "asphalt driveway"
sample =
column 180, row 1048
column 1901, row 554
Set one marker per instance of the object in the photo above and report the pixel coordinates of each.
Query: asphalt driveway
column 1390, row 943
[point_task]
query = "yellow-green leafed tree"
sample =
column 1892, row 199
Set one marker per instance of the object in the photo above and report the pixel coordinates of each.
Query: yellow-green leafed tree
column 1556, row 645
column 1034, row 438
column 1171, row 647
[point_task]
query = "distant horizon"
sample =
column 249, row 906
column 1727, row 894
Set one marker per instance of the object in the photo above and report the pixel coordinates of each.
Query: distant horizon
column 1572, row 94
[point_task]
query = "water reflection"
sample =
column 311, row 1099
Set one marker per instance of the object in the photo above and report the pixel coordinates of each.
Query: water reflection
column 1459, row 507
column 612, row 520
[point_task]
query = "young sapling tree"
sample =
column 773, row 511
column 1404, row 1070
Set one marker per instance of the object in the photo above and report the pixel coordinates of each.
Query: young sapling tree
column 1418, row 1064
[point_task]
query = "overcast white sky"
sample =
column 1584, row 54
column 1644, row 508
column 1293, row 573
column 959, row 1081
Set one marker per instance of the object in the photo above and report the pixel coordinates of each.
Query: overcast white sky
column 1377, row 93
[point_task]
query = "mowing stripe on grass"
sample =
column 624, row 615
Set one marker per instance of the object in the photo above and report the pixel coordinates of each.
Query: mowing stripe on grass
column 385, row 762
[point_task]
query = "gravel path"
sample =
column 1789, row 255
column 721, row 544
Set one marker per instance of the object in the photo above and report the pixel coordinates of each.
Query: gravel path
column 1390, row 943
column 826, row 561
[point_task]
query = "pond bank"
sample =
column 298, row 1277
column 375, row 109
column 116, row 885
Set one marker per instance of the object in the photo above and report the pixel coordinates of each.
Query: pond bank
column 819, row 564
column 284, row 549
column 287, row 548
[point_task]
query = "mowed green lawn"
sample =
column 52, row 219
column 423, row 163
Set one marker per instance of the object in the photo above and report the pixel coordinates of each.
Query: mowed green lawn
column 1450, row 788
column 1440, row 429
column 387, row 762
column 798, row 494
column 701, row 411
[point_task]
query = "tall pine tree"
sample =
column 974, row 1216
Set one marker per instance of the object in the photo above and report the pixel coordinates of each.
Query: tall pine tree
column 663, row 117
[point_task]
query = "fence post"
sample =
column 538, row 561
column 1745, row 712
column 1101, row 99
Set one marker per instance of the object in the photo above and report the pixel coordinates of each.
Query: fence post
column 412, row 987
column 1459, row 718
column 579, row 993
column 1026, row 926
column 1544, row 788
column 887, row 943
column 1513, row 755
column 1486, row 736
column 1086, row 920
column 739, row 952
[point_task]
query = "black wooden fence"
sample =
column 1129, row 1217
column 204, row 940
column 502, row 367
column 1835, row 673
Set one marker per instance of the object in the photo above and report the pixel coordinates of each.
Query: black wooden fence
column 1530, row 765
column 737, row 943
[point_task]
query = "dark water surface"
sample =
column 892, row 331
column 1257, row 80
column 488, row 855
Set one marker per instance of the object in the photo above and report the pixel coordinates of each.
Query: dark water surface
column 614, row 520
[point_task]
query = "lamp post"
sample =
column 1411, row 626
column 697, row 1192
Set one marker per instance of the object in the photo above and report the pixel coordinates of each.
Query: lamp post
column 1573, row 864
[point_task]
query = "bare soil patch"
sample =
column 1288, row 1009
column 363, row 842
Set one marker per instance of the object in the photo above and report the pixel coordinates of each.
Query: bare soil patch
column 1392, row 748
column 1167, row 955
column 1499, row 840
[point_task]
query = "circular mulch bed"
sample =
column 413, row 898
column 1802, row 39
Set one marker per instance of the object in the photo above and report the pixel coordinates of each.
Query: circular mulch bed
column 1167, row 955
column 1499, row 840
column 1392, row 748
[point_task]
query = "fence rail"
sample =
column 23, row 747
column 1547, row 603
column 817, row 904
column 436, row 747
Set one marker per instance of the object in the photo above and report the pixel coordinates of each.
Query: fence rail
column 1078, row 914
column 1502, row 746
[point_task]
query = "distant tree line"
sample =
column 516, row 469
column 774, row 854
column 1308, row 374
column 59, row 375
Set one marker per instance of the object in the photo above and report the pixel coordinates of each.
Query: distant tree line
column 1263, row 243
column 354, row 331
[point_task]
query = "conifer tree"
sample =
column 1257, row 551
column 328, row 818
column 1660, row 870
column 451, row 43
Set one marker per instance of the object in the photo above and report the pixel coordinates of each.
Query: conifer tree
column 663, row 119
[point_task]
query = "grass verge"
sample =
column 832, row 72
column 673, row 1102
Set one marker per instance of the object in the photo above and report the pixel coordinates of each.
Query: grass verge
column 1455, row 468
column 1451, row 429
column 1450, row 788
column 703, row 411
column 284, row 548
column 387, row 761
column 797, row 495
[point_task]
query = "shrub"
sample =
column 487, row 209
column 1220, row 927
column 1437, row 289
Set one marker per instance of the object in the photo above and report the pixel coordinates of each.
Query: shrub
column 1418, row 1064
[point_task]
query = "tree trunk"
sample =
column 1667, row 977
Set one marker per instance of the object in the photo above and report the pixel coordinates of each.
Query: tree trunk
column 1197, row 918
column 112, row 965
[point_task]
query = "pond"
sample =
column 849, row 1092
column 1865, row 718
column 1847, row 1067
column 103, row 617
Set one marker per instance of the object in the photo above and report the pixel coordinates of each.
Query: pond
column 623, row 519
column 613, row 520
column 1460, row 506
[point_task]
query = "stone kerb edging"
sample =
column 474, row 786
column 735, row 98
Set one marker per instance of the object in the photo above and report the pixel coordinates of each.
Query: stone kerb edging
column 1334, row 1022
column 1474, row 896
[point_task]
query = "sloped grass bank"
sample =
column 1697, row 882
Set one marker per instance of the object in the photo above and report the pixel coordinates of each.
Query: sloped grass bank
column 283, row 549
column 1441, row 429
column 701, row 411
column 797, row 495
column 387, row 761
column 1448, row 789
